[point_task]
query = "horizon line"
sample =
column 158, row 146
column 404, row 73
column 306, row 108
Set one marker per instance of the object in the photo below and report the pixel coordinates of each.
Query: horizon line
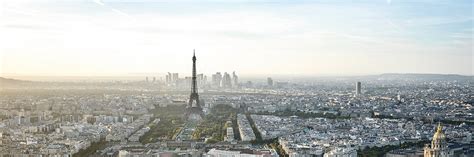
column 242, row 74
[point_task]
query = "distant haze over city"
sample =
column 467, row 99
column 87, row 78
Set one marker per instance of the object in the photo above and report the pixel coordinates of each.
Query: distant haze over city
column 253, row 38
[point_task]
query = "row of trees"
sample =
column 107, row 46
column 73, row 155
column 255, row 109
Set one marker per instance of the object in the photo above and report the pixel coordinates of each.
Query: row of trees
column 92, row 149
column 425, row 120
column 304, row 114
column 381, row 151
column 272, row 143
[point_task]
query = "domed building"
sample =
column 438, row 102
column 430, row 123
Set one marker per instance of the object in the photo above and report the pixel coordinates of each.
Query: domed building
column 439, row 146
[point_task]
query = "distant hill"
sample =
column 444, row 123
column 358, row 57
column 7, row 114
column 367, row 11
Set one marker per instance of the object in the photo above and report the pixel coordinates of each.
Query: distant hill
column 425, row 76
column 8, row 81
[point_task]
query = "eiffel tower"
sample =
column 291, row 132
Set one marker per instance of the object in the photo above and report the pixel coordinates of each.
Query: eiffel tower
column 194, row 109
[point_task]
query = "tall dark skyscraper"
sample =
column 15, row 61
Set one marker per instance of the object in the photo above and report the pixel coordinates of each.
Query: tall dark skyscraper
column 175, row 77
column 216, row 80
column 235, row 80
column 358, row 88
column 226, row 81
column 270, row 82
column 194, row 109
column 168, row 78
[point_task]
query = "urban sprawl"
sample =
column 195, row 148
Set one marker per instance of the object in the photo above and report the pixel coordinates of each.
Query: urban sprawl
column 388, row 114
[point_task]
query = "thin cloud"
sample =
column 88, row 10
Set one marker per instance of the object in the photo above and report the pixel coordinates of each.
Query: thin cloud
column 398, row 28
column 99, row 2
column 33, row 27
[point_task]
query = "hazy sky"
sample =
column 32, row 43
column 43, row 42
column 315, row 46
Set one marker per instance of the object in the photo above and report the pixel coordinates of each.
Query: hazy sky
column 332, row 37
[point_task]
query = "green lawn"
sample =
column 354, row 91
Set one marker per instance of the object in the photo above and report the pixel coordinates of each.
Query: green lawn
column 213, row 125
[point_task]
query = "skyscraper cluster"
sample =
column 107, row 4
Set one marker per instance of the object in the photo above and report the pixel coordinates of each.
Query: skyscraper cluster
column 148, row 80
column 225, row 81
column 218, row 80
column 172, row 78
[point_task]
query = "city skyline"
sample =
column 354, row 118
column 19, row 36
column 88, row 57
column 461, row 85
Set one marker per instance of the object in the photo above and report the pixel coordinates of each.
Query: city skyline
column 309, row 38
column 240, row 78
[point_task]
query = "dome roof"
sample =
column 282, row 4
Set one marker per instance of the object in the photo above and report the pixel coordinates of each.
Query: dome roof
column 439, row 139
column 439, row 135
